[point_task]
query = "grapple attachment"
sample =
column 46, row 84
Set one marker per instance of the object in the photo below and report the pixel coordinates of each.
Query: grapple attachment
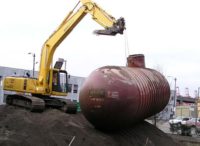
column 118, row 27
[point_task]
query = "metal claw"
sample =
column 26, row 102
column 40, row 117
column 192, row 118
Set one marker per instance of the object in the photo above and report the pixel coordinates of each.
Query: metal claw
column 118, row 27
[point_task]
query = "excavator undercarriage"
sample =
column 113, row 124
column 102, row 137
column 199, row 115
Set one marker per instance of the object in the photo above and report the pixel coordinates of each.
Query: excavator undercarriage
column 38, row 104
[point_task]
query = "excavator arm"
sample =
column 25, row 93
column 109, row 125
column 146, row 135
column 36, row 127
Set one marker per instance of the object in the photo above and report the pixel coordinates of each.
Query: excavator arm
column 111, row 25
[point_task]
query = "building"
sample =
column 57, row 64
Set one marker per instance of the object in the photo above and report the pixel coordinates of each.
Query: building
column 179, row 106
column 75, row 83
column 186, row 106
column 169, row 111
column 181, row 100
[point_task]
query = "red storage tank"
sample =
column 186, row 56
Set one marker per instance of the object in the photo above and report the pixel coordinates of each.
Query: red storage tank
column 114, row 97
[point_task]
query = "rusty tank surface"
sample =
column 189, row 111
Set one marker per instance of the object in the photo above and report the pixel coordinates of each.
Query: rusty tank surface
column 114, row 97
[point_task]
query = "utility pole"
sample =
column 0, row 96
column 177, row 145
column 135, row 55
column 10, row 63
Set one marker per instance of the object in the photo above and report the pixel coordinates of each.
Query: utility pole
column 33, row 62
column 175, row 95
column 197, row 101
column 65, row 61
column 196, row 104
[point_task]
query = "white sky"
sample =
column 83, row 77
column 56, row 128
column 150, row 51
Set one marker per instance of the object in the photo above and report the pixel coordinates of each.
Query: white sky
column 167, row 32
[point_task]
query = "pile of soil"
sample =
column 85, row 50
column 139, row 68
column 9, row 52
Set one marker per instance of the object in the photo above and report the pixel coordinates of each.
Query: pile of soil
column 19, row 127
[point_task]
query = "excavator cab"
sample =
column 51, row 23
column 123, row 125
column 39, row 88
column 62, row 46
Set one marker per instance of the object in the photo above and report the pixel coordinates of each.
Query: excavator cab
column 58, row 79
column 59, row 82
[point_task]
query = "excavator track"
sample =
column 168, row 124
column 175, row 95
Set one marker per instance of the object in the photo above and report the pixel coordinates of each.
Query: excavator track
column 38, row 104
column 65, row 105
column 34, row 104
column 69, row 106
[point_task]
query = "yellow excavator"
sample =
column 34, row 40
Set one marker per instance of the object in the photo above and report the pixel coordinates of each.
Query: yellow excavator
column 52, row 82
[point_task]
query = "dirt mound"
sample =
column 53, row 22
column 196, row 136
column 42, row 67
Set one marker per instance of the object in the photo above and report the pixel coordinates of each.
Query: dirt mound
column 19, row 127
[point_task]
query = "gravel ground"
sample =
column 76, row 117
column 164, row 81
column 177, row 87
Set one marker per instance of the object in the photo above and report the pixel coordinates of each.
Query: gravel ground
column 19, row 127
column 162, row 125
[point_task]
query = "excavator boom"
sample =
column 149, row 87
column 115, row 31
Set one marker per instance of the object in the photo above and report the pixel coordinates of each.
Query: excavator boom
column 112, row 27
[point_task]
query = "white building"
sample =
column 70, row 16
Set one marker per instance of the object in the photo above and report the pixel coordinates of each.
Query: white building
column 75, row 84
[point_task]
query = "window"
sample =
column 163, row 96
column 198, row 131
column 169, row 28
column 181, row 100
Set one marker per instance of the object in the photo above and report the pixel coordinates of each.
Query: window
column 59, row 82
column 75, row 88
column 62, row 80
column 1, row 83
column 69, row 88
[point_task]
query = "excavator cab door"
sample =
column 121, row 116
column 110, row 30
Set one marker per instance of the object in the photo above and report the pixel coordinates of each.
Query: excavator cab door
column 59, row 82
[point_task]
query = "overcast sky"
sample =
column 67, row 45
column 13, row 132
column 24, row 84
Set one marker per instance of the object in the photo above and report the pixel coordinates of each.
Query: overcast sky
column 167, row 32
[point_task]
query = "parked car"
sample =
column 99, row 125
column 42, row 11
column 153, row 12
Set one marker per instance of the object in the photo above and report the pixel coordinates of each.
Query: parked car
column 175, row 124
column 191, row 127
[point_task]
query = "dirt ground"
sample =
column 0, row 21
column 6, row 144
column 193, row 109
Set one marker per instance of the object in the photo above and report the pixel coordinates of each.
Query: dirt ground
column 19, row 127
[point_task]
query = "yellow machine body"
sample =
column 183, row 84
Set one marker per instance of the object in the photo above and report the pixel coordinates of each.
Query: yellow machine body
column 20, row 84
column 30, row 85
